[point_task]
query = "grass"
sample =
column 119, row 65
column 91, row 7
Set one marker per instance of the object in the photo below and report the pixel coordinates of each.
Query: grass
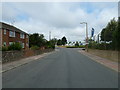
column 81, row 46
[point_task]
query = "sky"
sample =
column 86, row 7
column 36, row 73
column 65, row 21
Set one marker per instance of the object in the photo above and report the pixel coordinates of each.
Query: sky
column 61, row 18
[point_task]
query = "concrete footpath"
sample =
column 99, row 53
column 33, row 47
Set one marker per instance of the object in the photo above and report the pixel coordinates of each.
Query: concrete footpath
column 11, row 65
column 110, row 64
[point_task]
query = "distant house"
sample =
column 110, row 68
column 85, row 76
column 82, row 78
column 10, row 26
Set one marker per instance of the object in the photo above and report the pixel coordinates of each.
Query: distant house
column 10, row 34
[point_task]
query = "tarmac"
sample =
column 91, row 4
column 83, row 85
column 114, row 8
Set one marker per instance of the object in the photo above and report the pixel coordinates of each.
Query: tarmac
column 11, row 65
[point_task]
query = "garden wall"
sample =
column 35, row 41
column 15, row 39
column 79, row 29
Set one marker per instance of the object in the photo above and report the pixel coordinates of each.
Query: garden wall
column 8, row 56
column 108, row 54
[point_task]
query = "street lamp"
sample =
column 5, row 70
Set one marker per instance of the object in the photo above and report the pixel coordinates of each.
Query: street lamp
column 86, row 34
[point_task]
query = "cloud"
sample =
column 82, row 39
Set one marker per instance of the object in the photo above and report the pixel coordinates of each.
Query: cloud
column 62, row 19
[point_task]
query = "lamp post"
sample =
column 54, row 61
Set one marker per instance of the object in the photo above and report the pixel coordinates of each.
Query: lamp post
column 86, row 34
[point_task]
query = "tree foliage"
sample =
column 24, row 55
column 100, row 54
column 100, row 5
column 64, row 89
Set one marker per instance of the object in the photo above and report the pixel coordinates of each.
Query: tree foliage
column 111, row 34
column 107, row 33
column 37, row 40
column 77, row 44
column 62, row 41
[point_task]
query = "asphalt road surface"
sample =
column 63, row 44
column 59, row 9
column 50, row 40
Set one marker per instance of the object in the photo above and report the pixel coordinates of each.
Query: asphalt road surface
column 66, row 68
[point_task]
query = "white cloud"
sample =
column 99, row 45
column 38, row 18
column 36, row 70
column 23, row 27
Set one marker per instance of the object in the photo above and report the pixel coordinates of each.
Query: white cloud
column 62, row 19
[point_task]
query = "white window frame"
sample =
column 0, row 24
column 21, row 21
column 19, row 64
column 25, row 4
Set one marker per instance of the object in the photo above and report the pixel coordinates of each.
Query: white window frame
column 4, row 43
column 27, row 36
column 27, row 44
column 22, row 35
column 23, row 45
column 12, row 33
column 4, row 31
column 10, row 43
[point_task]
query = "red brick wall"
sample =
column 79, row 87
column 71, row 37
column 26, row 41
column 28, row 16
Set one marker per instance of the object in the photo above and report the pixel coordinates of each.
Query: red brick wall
column 17, row 38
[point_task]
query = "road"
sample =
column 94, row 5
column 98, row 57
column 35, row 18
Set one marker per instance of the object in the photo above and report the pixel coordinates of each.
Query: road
column 66, row 68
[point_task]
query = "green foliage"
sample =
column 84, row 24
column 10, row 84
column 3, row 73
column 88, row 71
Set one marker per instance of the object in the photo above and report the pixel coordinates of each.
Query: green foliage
column 77, row 44
column 111, row 34
column 59, row 42
column 37, row 40
column 4, row 48
column 108, row 32
column 15, row 46
column 64, row 41
column 81, row 46
column 35, row 48
column 0, row 48
column 50, row 44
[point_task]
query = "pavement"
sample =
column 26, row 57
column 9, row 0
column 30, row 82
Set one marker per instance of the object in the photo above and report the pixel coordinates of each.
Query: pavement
column 66, row 68
column 108, row 63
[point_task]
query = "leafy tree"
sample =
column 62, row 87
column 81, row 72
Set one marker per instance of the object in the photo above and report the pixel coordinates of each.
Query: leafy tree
column 76, row 44
column 107, row 32
column 51, row 43
column 116, row 36
column 103, row 34
column 64, row 40
column 59, row 42
column 37, row 40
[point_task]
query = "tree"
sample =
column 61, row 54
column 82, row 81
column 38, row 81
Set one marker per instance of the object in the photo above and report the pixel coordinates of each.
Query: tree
column 59, row 42
column 76, row 44
column 51, row 43
column 116, row 36
column 64, row 40
column 37, row 40
column 103, row 34
column 107, row 32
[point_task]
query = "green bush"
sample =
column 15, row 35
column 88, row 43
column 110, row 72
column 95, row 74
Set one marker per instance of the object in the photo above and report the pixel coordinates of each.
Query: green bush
column 15, row 46
column 81, row 46
column 4, row 48
column 0, row 48
column 102, row 46
column 35, row 47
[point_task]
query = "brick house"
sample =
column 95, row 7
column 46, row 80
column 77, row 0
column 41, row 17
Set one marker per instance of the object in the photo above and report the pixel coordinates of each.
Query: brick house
column 10, row 34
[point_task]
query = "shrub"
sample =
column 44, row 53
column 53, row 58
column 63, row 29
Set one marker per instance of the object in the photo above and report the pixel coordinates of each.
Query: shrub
column 4, row 48
column 15, row 46
column 0, row 48
column 35, row 47
column 81, row 46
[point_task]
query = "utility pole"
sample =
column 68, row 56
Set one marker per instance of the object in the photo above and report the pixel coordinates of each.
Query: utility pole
column 86, row 34
column 49, row 35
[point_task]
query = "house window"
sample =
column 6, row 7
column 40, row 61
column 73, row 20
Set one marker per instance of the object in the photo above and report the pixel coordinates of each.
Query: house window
column 26, row 36
column 4, row 31
column 23, row 45
column 22, row 35
column 10, row 43
column 4, row 43
column 27, row 44
column 12, row 34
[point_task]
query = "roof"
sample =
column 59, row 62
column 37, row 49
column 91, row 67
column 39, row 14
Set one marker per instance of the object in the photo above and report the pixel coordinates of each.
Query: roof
column 10, row 27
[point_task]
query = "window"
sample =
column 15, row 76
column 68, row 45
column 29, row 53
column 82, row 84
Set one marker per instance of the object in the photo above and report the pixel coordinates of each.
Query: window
column 12, row 34
column 10, row 43
column 23, row 46
column 27, row 44
column 22, row 35
column 26, row 36
column 4, row 43
column 4, row 31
